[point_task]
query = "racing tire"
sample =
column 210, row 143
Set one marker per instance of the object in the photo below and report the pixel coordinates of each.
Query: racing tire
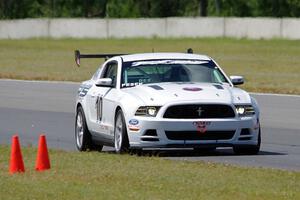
column 249, row 150
column 82, row 135
column 121, row 141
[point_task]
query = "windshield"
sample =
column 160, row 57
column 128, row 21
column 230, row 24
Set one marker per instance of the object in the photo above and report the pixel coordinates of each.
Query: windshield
column 157, row 71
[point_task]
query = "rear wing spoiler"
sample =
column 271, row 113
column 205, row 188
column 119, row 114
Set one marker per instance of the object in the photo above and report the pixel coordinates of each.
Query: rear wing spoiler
column 106, row 56
column 78, row 56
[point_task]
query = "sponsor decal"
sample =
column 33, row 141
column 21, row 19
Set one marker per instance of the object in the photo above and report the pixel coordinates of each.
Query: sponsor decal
column 201, row 126
column 133, row 122
column 132, row 84
column 168, row 62
column 193, row 89
column 133, row 127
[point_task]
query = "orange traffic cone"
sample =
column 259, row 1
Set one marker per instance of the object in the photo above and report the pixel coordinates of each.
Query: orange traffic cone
column 42, row 159
column 16, row 161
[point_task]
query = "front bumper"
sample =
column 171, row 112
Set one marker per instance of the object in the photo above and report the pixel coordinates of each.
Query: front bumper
column 187, row 133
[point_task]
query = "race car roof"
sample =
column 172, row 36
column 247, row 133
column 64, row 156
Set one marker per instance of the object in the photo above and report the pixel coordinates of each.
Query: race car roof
column 143, row 56
column 158, row 56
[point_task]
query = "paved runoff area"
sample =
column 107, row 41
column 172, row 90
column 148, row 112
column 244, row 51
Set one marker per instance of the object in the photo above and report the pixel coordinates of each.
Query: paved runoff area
column 30, row 108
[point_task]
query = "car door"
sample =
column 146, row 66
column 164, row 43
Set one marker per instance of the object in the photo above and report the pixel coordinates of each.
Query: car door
column 103, row 102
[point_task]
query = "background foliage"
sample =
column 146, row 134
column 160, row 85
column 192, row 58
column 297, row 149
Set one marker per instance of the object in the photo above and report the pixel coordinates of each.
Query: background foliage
column 14, row 9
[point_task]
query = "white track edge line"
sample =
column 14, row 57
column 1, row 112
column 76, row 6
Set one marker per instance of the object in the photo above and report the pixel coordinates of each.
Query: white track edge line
column 41, row 81
column 274, row 94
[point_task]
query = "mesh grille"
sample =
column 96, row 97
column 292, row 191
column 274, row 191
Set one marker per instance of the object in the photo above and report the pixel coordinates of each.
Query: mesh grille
column 199, row 111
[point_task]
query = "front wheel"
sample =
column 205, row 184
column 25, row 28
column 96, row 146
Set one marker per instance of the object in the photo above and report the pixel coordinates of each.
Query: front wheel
column 120, row 134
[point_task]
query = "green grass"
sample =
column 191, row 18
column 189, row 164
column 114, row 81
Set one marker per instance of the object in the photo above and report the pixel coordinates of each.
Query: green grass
column 94, row 175
column 268, row 65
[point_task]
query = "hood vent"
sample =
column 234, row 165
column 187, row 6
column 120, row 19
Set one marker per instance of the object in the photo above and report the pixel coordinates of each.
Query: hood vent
column 219, row 87
column 156, row 87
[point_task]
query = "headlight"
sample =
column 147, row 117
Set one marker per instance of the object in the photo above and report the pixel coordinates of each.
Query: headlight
column 149, row 111
column 244, row 110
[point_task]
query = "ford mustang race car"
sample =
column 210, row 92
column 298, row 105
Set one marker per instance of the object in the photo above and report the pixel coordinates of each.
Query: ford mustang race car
column 164, row 100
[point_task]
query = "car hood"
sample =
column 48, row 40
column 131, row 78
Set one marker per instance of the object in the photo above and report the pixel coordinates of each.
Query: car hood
column 162, row 93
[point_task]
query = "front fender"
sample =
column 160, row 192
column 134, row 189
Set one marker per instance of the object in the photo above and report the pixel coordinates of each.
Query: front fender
column 129, row 105
column 255, row 106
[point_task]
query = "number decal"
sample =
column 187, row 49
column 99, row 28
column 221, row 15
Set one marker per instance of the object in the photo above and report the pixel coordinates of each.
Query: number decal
column 99, row 103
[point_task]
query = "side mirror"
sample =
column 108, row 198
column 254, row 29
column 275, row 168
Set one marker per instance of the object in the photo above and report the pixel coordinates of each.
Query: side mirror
column 237, row 80
column 105, row 82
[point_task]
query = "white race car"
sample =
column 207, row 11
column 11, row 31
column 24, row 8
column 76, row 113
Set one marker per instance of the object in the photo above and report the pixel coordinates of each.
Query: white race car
column 164, row 100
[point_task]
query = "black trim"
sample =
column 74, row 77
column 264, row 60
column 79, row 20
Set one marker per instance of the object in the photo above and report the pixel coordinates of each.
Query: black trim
column 78, row 56
column 245, row 131
column 156, row 87
column 103, row 139
column 183, row 145
column 150, row 139
column 219, row 87
column 196, row 135
column 150, row 132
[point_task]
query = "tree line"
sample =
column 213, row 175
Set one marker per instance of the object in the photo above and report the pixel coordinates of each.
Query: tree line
column 16, row 9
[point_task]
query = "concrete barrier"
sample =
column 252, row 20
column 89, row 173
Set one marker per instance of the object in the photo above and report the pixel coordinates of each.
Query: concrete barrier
column 128, row 28
column 253, row 28
column 21, row 29
column 195, row 27
column 78, row 28
column 291, row 28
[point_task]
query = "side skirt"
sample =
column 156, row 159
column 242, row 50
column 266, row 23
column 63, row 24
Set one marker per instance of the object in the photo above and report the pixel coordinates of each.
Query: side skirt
column 102, row 139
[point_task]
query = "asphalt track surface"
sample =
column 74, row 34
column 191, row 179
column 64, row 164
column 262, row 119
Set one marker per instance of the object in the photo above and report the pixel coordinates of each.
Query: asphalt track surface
column 30, row 108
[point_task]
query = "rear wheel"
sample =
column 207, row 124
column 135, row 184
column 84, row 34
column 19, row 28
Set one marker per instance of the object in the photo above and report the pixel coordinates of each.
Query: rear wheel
column 249, row 150
column 120, row 134
column 82, row 134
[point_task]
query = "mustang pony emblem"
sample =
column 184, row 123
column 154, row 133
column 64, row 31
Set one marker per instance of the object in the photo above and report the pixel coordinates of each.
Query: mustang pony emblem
column 199, row 111
column 201, row 126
